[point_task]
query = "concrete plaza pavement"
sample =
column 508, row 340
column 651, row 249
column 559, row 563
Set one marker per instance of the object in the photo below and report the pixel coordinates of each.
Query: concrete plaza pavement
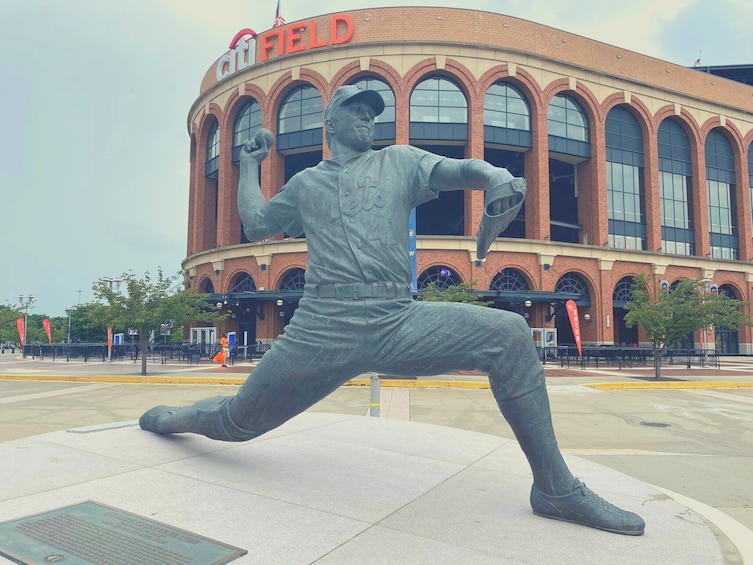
column 696, row 441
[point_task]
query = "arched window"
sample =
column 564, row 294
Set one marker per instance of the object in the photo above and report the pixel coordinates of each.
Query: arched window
column 438, row 100
column 444, row 277
column 301, row 110
column 206, row 287
column 509, row 280
column 213, row 151
column 625, row 188
column 294, row 279
column 720, row 186
column 567, row 120
column 572, row 283
column 623, row 292
column 244, row 283
column 505, row 107
column 247, row 122
column 675, row 176
column 438, row 111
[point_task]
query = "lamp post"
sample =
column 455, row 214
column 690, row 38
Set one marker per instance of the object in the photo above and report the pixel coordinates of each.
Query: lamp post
column 704, row 336
column 69, row 311
column 113, row 283
column 25, row 301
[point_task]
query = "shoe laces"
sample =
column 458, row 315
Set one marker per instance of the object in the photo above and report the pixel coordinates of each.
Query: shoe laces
column 587, row 492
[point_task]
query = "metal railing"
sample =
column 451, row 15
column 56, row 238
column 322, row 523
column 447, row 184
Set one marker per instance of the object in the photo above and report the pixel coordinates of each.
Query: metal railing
column 158, row 352
column 620, row 357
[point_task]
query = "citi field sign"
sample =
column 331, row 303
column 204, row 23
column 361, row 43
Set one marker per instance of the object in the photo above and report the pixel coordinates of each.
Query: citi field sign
column 292, row 38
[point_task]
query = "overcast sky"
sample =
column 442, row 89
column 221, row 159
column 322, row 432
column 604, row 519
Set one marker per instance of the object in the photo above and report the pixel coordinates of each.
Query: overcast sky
column 94, row 98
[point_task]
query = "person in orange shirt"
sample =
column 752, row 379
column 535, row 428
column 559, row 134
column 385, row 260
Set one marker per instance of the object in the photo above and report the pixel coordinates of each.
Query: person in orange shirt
column 224, row 353
column 224, row 344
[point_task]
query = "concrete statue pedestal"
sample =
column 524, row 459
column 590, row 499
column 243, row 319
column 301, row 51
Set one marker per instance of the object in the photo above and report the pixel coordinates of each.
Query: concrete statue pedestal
column 331, row 488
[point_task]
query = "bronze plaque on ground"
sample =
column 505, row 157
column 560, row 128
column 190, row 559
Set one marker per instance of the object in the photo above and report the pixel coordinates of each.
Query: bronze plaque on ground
column 93, row 533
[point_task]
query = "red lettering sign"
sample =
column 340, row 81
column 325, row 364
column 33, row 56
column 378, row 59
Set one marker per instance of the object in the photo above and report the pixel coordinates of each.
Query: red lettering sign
column 348, row 23
column 302, row 36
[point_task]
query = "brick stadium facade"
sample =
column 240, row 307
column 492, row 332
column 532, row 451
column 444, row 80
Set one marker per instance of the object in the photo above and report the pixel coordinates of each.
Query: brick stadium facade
column 634, row 165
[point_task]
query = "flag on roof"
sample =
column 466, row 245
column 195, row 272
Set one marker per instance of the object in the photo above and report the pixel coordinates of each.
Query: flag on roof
column 697, row 62
column 279, row 20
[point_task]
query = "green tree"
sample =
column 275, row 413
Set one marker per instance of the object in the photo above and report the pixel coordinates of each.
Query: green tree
column 145, row 305
column 8, row 328
column 453, row 293
column 675, row 313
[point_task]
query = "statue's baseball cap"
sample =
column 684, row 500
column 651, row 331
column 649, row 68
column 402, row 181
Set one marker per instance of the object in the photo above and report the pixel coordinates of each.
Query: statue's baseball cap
column 350, row 93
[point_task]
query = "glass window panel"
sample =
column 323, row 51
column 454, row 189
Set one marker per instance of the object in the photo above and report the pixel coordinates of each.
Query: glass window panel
column 557, row 128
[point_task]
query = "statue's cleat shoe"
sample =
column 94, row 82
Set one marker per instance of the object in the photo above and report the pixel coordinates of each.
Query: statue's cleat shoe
column 150, row 420
column 583, row 506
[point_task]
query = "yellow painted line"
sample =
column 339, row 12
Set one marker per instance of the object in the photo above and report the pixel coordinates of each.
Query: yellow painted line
column 422, row 383
column 160, row 380
column 127, row 379
column 677, row 385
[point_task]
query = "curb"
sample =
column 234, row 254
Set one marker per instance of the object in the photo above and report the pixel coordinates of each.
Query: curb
column 681, row 385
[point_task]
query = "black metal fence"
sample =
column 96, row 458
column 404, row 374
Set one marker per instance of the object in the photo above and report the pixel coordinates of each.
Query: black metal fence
column 158, row 352
column 619, row 357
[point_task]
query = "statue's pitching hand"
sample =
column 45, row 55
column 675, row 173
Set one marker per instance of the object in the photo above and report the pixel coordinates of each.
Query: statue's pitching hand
column 258, row 148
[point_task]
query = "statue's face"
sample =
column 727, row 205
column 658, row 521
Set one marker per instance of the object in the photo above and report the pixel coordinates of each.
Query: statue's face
column 354, row 126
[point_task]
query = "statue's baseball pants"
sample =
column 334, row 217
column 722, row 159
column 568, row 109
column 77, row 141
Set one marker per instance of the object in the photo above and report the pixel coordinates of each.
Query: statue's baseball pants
column 330, row 341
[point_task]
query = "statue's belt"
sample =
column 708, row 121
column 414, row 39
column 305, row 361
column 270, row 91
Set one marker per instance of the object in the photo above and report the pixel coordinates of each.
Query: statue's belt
column 358, row 291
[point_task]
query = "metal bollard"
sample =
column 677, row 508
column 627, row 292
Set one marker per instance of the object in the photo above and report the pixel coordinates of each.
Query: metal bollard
column 374, row 396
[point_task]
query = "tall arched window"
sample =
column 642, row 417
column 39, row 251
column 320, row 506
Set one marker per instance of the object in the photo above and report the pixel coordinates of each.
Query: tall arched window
column 438, row 123
column 507, row 135
column 569, row 145
column 727, row 340
column 384, row 122
column 625, row 188
column 622, row 294
column 299, row 129
column 675, row 178
column 443, row 276
column 247, row 122
column 721, row 190
column 213, row 151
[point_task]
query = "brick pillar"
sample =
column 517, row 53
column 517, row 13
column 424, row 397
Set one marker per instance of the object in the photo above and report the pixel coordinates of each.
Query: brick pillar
column 652, row 194
column 537, row 177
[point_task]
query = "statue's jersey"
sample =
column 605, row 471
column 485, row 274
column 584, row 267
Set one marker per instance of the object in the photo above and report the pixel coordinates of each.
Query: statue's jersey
column 355, row 213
